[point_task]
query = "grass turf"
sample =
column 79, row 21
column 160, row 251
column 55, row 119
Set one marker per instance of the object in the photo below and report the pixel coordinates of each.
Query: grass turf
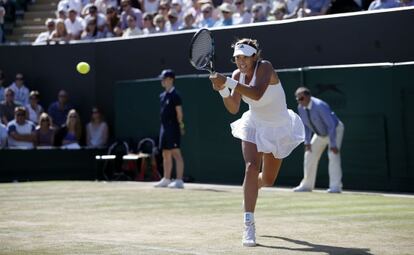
column 135, row 218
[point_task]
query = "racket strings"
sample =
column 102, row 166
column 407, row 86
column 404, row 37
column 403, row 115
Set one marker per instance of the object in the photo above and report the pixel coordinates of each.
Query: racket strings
column 202, row 50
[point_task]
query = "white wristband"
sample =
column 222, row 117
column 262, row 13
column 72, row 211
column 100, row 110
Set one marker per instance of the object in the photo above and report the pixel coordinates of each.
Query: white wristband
column 224, row 92
column 230, row 83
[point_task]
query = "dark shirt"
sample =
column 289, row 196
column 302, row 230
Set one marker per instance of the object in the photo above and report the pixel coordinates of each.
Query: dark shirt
column 7, row 110
column 169, row 100
column 58, row 115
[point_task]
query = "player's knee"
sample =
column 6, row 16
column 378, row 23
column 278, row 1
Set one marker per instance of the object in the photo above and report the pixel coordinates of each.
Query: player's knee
column 252, row 168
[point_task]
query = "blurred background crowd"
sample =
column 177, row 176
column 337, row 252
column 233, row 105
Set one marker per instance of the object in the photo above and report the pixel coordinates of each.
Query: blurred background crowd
column 95, row 19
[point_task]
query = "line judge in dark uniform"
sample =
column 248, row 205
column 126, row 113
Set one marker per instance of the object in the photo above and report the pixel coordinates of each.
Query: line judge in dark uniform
column 172, row 127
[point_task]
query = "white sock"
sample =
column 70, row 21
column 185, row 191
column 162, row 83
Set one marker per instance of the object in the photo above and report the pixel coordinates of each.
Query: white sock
column 248, row 218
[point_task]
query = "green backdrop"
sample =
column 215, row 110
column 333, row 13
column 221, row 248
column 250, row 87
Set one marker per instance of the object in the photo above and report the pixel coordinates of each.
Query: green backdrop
column 372, row 101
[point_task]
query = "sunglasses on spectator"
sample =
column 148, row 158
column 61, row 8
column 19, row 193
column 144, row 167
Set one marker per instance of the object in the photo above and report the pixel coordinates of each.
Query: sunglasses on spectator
column 73, row 117
column 20, row 114
column 9, row 95
column 300, row 99
column 206, row 11
column 147, row 19
column 225, row 12
column 44, row 120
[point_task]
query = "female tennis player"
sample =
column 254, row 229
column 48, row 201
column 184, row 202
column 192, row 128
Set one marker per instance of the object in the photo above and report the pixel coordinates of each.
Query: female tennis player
column 268, row 130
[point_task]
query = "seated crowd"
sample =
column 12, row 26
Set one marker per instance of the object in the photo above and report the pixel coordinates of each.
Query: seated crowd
column 24, row 123
column 94, row 19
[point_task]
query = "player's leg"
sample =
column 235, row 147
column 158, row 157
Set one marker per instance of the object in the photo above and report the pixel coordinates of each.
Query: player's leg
column 270, row 170
column 252, row 161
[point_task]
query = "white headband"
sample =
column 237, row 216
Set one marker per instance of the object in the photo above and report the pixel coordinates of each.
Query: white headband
column 244, row 49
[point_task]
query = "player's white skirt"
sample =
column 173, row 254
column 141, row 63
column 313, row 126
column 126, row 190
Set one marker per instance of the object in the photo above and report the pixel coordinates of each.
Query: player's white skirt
column 279, row 138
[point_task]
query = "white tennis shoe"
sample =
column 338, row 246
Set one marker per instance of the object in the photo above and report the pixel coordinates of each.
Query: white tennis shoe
column 249, row 235
column 162, row 183
column 176, row 184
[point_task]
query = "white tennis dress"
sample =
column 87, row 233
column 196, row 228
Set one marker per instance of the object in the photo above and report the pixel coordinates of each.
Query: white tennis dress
column 268, row 123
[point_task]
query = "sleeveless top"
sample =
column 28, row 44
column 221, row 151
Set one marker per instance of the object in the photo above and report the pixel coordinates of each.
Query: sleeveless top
column 271, row 107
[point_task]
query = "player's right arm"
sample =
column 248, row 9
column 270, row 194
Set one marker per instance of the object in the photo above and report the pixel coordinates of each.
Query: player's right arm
column 231, row 100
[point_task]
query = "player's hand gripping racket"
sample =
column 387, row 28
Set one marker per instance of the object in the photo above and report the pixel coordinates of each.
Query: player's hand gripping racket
column 202, row 50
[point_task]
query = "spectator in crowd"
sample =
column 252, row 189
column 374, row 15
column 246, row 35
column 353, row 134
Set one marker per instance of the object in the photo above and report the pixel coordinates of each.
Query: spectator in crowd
column 3, row 136
column 173, row 24
column 172, row 127
column 227, row 11
column 317, row 7
column 45, row 133
column 69, row 136
column 113, row 23
column 7, row 106
column 62, row 12
column 293, row 5
column 103, row 5
column 33, row 108
column 60, row 34
column 177, row 5
column 2, row 14
column 129, row 10
column 96, row 130
column 159, row 22
column 21, row 92
column 59, row 109
column 278, row 12
column 188, row 21
column 383, row 4
column 150, row 6
column 322, row 128
column 207, row 19
column 406, row 3
column 20, row 131
column 100, row 19
column 149, row 26
column 2, row 83
column 70, row 4
column 43, row 37
column 164, row 8
column 259, row 14
column 74, row 25
column 91, row 31
column 241, row 16
column 133, row 29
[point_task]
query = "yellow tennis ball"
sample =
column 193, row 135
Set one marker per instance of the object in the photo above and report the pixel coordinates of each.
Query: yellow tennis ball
column 83, row 67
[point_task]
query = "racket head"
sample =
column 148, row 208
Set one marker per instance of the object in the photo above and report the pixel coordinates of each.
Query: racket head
column 202, row 50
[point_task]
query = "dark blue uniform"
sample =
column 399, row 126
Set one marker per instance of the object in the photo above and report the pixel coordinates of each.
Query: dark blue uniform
column 170, row 135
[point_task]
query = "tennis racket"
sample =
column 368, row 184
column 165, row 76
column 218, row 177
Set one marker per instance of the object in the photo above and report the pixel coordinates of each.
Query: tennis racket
column 202, row 51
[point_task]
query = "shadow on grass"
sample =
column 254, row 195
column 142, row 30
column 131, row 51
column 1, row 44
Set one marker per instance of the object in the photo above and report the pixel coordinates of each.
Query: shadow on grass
column 311, row 247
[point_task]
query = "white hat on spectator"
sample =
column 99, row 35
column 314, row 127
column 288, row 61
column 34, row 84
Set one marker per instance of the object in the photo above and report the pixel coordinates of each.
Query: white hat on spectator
column 72, row 9
column 179, row 2
column 206, row 6
column 226, row 7
column 49, row 21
